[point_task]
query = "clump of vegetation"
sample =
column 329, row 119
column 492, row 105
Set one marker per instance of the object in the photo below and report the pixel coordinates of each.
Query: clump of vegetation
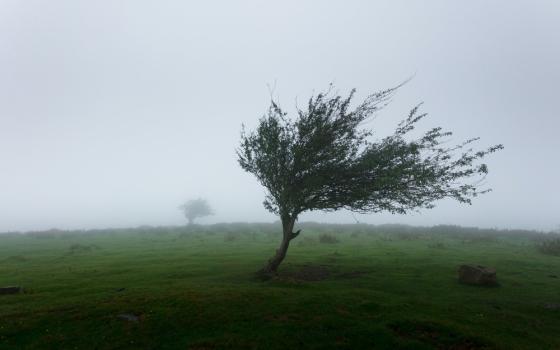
column 550, row 246
column 355, row 234
column 196, row 208
column 184, row 235
column 327, row 238
column 408, row 236
column 437, row 245
column 480, row 238
column 231, row 236
column 49, row 234
column 81, row 248
column 252, row 235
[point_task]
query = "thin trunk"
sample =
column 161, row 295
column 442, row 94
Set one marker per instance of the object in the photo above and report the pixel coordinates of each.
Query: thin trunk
column 287, row 235
column 191, row 221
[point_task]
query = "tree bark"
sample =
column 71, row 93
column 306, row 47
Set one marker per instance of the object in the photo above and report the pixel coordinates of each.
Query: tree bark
column 271, row 267
column 191, row 221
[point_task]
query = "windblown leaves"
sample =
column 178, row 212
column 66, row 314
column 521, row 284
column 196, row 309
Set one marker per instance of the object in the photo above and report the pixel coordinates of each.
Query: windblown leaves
column 325, row 160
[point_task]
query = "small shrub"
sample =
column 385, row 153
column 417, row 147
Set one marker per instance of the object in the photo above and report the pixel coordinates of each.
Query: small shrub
column 327, row 238
column 185, row 235
column 480, row 238
column 50, row 234
column 550, row 247
column 437, row 245
column 230, row 237
column 355, row 234
column 253, row 236
column 80, row 248
column 408, row 236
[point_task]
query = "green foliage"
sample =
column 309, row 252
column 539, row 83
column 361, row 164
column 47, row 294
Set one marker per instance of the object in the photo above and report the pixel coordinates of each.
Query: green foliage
column 437, row 245
column 231, row 236
column 327, row 238
column 325, row 160
column 196, row 208
column 550, row 246
column 77, row 248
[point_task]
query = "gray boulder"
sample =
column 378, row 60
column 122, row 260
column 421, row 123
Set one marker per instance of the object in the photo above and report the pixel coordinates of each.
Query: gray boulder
column 129, row 317
column 477, row 275
column 10, row 290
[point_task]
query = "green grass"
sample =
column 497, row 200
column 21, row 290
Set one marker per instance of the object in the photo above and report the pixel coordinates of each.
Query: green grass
column 387, row 287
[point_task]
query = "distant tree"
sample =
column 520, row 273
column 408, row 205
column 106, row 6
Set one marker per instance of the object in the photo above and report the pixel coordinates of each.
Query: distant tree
column 196, row 208
column 325, row 160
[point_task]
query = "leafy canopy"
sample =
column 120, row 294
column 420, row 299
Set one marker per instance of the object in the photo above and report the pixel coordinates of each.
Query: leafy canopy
column 196, row 208
column 326, row 160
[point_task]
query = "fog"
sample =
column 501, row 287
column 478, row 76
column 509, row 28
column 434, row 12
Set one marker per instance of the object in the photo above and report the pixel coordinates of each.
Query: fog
column 113, row 113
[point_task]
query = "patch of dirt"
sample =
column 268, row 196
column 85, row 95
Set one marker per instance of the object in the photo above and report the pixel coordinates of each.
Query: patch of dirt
column 438, row 336
column 315, row 273
column 309, row 273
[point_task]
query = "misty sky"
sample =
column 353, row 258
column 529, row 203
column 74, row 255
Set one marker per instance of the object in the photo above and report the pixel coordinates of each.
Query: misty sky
column 112, row 113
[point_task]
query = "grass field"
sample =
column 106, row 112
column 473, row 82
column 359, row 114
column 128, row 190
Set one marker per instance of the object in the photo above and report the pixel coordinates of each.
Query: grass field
column 386, row 287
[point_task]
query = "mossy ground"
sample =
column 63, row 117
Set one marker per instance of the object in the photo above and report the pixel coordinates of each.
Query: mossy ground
column 195, row 289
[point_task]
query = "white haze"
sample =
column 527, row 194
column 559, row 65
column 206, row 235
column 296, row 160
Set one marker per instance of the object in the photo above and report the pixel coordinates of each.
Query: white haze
column 112, row 113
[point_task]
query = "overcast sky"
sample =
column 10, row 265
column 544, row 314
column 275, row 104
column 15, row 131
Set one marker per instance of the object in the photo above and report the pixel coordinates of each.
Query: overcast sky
column 114, row 112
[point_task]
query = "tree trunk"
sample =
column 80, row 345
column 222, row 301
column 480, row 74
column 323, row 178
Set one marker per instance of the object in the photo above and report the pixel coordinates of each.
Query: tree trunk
column 191, row 221
column 287, row 235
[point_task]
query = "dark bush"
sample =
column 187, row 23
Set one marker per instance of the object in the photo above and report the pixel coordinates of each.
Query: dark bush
column 231, row 236
column 550, row 246
column 437, row 245
column 81, row 248
column 480, row 238
column 408, row 236
column 327, row 238
column 355, row 234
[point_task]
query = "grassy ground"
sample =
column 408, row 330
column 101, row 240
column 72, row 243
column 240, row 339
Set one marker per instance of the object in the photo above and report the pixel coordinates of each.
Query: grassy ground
column 387, row 287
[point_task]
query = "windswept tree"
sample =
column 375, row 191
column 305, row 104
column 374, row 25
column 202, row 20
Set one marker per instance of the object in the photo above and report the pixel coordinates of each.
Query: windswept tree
column 196, row 208
column 325, row 159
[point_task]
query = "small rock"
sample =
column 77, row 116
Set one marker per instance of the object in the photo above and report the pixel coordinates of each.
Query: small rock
column 552, row 306
column 477, row 275
column 10, row 290
column 129, row 317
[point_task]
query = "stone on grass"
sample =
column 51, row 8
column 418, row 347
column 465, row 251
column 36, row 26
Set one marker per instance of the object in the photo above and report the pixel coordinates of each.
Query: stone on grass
column 10, row 290
column 129, row 317
column 477, row 275
column 552, row 306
